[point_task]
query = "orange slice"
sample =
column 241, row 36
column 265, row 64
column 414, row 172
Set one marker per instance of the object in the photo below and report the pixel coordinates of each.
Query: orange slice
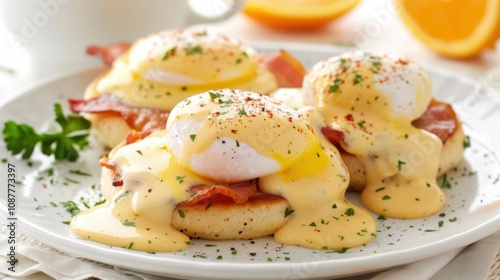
column 297, row 14
column 454, row 28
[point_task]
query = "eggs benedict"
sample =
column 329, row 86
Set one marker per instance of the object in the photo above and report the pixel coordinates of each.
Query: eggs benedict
column 373, row 105
column 230, row 164
column 160, row 70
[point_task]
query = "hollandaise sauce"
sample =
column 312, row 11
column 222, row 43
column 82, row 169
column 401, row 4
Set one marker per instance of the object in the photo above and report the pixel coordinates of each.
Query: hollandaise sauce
column 137, row 215
column 164, row 68
column 372, row 99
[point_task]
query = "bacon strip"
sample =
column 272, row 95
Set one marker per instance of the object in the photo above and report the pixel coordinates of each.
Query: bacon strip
column 144, row 120
column 438, row 119
column 288, row 71
column 108, row 54
column 238, row 193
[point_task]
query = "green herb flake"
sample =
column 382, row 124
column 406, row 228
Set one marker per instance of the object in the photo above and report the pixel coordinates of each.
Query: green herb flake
column 181, row 213
column 66, row 222
column 208, row 206
column 386, row 197
column 180, row 179
column 79, row 172
column 357, row 79
column 71, row 207
column 238, row 61
column 400, row 164
column 349, row 212
column 192, row 136
column 381, row 217
column 380, row 189
column 219, row 257
column 130, row 245
column 237, row 143
column 168, row 54
column 193, row 50
column 288, row 212
column 445, row 183
column 343, row 250
column 313, row 224
column 466, row 142
column 335, row 87
column 214, row 95
column 128, row 223
column 440, row 223
column 242, row 112
column 139, row 152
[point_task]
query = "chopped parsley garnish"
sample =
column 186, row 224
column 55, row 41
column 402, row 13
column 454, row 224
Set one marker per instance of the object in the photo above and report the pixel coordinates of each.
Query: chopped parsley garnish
column 288, row 212
column 180, row 179
column 380, row 217
column 168, row 54
column 334, row 206
column 380, row 189
column 238, row 61
column 130, row 245
column 386, row 197
column 208, row 206
column 466, row 142
column 357, row 79
column 237, row 143
column 139, row 152
column 313, row 224
column 445, row 183
column 242, row 112
column 213, row 95
column 128, row 223
column 192, row 136
column 64, row 144
column 361, row 124
column 100, row 202
column 343, row 250
column 71, row 207
column 335, row 86
column 194, row 50
column 181, row 213
column 440, row 223
column 349, row 212
column 79, row 172
column 400, row 164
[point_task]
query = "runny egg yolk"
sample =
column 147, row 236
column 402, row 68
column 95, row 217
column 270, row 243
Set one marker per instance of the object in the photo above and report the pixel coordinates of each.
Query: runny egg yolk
column 162, row 69
column 158, row 171
column 372, row 99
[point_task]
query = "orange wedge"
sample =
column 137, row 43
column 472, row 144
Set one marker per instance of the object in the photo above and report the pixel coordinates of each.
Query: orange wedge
column 297, row 14
column 454, row 28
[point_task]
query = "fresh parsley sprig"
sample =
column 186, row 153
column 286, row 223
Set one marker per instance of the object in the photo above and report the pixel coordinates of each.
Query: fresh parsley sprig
column 64, row 144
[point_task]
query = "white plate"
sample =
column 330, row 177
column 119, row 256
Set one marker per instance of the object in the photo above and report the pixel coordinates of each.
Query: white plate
column 472, row 211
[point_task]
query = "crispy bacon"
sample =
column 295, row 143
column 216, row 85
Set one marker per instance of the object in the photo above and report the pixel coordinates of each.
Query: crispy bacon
column 108, row 54
column 230, row 193
column 439, row 119
column 109, row 164
column 288, row 71
column 142, row 120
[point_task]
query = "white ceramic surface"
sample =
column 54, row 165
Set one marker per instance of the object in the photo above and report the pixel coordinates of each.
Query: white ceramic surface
column 472, row 211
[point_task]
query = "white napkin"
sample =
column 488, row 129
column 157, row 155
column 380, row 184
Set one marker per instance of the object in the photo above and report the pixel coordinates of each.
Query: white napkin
column 39, row 261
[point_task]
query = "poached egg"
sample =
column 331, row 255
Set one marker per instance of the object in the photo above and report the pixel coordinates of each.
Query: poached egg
column 372, row 99
column 162, row 69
